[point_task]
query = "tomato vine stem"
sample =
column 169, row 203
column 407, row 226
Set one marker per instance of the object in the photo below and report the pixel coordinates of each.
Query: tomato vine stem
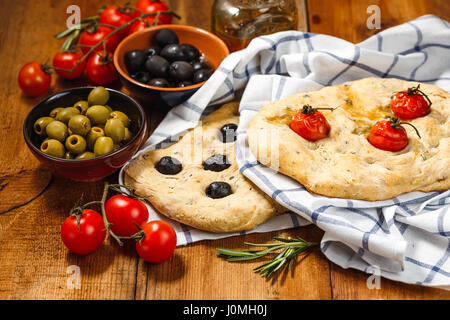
column 93, row 21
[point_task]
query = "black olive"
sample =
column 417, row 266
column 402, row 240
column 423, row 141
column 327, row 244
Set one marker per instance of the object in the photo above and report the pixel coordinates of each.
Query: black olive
column 183, row 84
column 157, row 66
column 165, row 37
column 218, row 190
column 141, row 76
column 168, row 165
column 202, row 75
column 152, row 51
column 197, row 65
column 217, row 163
column 134, row 60
column 181, row 70
column 158, row 82
column 190, row 52
column 228, row 132
column 173, row 52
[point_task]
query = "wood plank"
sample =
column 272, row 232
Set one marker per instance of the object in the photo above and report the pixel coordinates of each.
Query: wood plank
column 347, row 19
column 34, row 260
column 194, row 272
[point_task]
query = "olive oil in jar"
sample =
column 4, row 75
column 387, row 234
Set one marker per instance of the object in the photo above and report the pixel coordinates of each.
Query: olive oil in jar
column 237, row 22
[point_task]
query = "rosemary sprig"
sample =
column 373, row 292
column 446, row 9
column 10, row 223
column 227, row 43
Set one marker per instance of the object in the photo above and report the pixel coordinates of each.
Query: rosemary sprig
column 291, row 248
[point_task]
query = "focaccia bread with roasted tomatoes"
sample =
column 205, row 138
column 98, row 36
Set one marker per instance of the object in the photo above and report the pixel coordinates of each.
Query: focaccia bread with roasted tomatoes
column 370, row 139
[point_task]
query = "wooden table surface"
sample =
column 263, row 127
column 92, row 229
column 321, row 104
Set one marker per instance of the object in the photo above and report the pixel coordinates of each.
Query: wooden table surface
column 33, row 204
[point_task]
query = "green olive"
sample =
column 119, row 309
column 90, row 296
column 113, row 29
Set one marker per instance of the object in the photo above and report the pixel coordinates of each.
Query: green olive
column 82, row 106
column 67, row 113
column 103, row 145
column 57, row 130
column 115, row 129
column 85, row 155
column 109, row 108
column 98, row 96
column 97, row 114
column 54, row 112
column 127, row 134
column 53, row 147
column 121, row 116
column 80, row 124
column 93, row 134
column 76, row 144
column 40, row 125
column 68, row 155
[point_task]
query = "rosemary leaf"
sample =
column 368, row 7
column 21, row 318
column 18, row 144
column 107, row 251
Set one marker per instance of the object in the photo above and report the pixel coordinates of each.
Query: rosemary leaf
column 291, row 248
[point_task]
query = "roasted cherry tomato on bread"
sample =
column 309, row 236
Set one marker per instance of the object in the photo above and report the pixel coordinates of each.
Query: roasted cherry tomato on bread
column 68, row 60
column 117, row 16
column 100, row 68
column 158, row 243
column 91, row 37
column 410, row 104
column 311, row 124
column 34, row 79
column 123, row 213
column 389, row 135
column 85, row 237
column 149, row 6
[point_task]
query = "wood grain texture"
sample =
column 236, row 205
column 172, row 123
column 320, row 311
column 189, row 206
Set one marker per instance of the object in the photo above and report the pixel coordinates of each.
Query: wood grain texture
column 34, row 262
column 347, row 19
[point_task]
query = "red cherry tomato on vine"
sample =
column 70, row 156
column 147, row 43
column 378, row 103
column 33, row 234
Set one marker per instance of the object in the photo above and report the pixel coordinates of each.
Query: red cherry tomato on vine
column 89, row 38
column 310, row 124
column 389, row 135
column 68, row 60
column 410, row 104
column 159, row 242
column 139, row 25
column 121, row 211
column 100, row 68
column 117, row 16
column 33, row 79
column 88, row 237
column 149, row 6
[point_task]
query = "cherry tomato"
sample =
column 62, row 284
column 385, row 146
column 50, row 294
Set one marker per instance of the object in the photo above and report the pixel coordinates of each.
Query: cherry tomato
column 118, row 16
column 88, row 237
column 68, row 60
column 389, row 135
column 139, row 25
column 91, row 38
column 149, row 6
column 158, row 243
column 121, row 211
column 310, row 124
column 100, row 71
column 410, row 104
column 33, row 79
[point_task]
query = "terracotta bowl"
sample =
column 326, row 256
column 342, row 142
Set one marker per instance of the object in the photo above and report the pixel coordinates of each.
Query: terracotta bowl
column 89, row 169
column 212, row 47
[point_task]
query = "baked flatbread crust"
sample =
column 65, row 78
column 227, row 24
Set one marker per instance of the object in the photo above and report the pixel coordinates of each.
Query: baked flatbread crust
column 182, row 196
column 345, row 164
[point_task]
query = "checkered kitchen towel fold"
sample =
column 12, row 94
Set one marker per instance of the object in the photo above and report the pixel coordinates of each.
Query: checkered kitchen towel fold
column 406, row 238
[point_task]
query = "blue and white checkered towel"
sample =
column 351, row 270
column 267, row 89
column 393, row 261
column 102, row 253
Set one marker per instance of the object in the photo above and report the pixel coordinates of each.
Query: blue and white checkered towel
column 406, row 238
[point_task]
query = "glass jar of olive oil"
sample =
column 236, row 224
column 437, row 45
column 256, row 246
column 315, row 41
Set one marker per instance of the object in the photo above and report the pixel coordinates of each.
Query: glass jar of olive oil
column 237, row 22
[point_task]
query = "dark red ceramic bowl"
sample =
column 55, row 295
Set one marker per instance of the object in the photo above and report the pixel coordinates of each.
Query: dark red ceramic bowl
column 211, row 46
column 88, row 169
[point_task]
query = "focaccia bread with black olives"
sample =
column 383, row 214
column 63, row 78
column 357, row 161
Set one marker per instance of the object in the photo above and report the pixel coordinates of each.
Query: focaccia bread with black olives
column 345, row 164
column 178, row 179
